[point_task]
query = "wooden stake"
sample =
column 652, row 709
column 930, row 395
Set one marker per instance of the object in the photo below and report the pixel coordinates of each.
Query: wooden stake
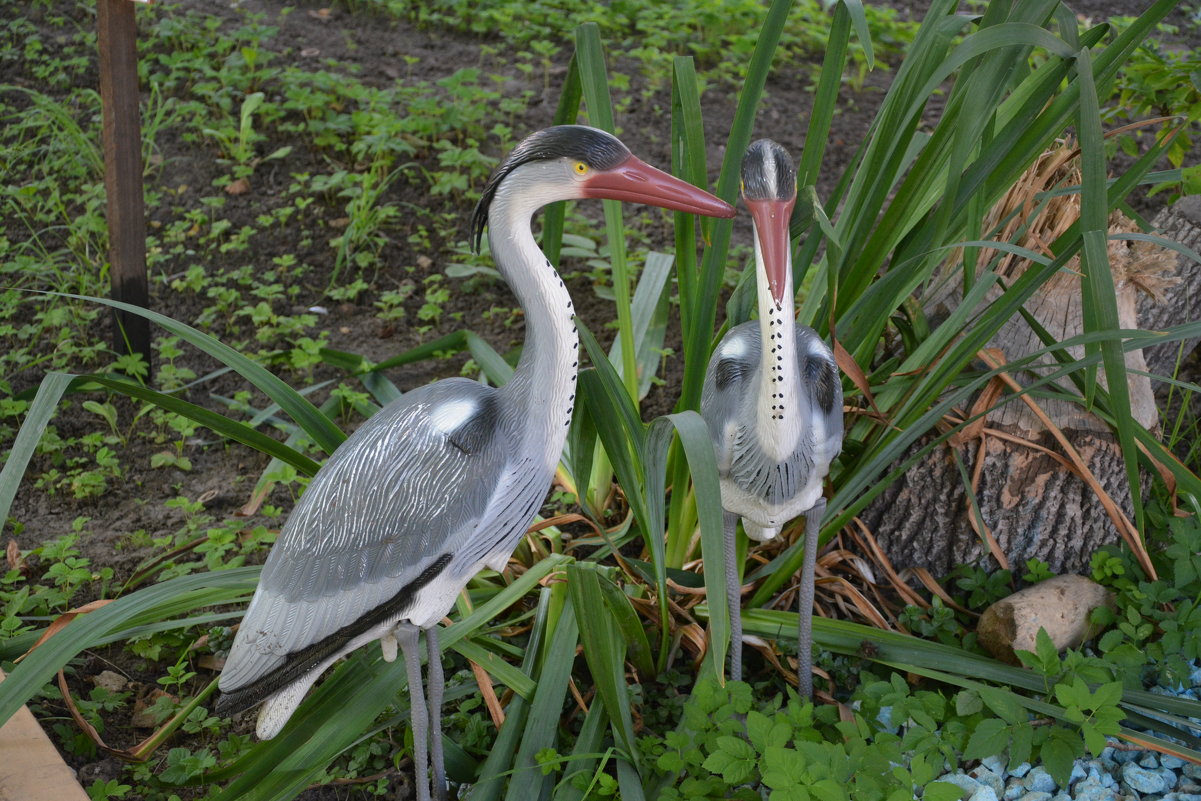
column 122, row 139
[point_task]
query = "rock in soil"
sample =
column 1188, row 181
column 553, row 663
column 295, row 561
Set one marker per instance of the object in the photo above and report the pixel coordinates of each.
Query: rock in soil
column 1061, row 605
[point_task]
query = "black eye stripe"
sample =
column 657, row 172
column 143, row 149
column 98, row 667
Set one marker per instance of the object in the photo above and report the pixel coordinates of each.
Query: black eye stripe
column 591, row 146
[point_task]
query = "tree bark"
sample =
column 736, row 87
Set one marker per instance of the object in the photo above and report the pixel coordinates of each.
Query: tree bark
column 1032, row 504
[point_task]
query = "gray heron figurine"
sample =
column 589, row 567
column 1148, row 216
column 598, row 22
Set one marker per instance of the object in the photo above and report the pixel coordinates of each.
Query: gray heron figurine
column 773, row 404
column 444, row 481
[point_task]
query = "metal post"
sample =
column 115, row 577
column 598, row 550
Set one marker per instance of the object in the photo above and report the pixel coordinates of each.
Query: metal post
column 122, row 138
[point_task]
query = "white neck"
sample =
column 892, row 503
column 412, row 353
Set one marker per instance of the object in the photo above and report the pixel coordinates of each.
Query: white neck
column 779, row 423
column 543, row 385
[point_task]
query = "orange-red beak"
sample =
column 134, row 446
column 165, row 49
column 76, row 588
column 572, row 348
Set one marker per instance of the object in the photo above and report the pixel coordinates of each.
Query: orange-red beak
column 635, row 180
column 771, row 226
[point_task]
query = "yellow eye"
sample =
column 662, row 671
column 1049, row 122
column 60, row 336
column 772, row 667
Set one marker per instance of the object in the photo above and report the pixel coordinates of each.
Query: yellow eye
column 581, row 168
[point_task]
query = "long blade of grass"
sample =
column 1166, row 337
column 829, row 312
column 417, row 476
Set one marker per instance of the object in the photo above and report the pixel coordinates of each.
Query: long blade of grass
column 845, row 637
column 698, row 447
column 323, row 432
column 630, row 625
column 492, row 363
column 648, row 316
column 41, row 409
column 566, row 114
column 825, row 99
column 497, row 765
column 1100, row 296
column 220, row 424
column 55, row 385
column 688, row 163
column 547, row 704
column 604, row 651
column 150, row 604
column 584, row 755
column 594, row 82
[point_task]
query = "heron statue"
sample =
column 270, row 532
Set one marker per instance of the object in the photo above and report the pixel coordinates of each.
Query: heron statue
column 444, row 481
column 773, row 404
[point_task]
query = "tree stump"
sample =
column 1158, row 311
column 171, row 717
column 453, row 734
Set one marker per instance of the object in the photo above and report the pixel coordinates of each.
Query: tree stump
column 1030, row 503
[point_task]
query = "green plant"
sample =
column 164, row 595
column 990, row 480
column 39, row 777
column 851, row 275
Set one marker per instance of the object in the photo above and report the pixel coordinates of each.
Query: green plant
column 1159, row 81
column 618, row 587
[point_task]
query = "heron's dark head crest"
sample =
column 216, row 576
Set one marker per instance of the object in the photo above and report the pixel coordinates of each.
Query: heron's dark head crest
column 767, row 172
column 596, row 148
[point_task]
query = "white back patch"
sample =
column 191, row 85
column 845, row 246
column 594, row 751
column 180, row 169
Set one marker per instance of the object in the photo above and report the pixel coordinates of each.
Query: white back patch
column 734, row 348
column 449, row 415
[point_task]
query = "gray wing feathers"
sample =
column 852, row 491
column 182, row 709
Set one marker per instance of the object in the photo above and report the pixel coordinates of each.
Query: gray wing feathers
column 820, row 369
column 732, row 367
column 394, row 498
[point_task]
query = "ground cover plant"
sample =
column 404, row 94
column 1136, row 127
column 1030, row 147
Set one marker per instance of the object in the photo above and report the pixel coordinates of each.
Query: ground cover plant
column 296, row 196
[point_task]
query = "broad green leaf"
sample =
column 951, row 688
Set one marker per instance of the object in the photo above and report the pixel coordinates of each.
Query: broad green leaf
column 990, row 738
column 733, row 758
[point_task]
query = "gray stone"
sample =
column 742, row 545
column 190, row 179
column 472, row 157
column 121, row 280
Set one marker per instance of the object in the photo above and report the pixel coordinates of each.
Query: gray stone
column 1014, row 790
column 1037, row 795
column 996, row 765
column 1142, row 780
column 1122, row 756
column 1169, row 761
column 983, row 793
column 1020, row 770
column 986, row 776
column 1148, row 760
column 1091, row 790
column 961, row 780
column 1102, row 772
column 1039, row 779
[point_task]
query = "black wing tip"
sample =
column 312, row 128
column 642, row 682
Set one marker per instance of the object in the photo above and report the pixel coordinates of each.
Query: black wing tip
column 308, row 658
column 239, row 700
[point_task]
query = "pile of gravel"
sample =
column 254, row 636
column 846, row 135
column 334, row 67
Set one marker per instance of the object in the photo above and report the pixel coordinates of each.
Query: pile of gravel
column 1121, row 773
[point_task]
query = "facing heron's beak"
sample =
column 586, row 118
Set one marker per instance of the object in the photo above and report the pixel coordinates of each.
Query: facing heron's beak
column 771, row 225
column 635, row 180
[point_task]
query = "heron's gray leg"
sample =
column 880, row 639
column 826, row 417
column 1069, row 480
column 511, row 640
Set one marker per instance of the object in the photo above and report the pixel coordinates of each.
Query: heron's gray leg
column 407, row 636
column 734, row 596
column 437, row 683
column 813, row 522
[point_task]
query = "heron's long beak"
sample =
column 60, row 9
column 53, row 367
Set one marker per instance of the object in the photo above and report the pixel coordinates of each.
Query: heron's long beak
column 637, row 181
column 771, row 226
